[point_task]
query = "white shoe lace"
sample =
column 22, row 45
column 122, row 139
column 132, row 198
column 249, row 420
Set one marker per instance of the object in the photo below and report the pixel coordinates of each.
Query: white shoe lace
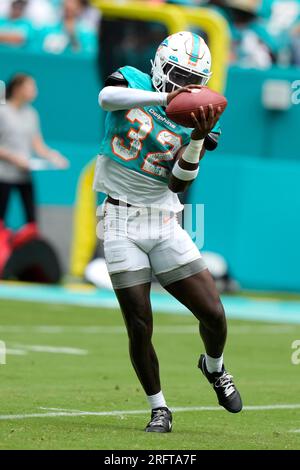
column 158, row 418
column 225, row 381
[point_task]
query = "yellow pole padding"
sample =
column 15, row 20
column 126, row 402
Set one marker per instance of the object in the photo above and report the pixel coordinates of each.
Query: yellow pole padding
column 84, row 222
column 169, row 15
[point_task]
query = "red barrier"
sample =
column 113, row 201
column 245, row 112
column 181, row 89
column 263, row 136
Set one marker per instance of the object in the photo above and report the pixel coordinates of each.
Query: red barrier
column 26, row 256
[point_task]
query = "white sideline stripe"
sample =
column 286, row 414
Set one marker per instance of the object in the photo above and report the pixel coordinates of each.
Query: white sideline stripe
column 58, row 414
column 295, row 430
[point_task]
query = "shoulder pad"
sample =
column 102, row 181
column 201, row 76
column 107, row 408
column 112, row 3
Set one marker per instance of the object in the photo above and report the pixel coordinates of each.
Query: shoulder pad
column 115, row 79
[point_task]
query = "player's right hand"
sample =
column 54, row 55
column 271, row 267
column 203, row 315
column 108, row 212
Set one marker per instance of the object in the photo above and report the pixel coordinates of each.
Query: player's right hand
column 186, row 89
column 204, row 124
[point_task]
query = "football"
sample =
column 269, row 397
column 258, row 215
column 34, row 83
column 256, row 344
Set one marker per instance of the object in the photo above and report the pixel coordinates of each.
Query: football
column 181, row 107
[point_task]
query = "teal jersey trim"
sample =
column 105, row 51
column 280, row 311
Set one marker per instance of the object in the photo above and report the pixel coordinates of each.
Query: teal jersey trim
column 217, row 128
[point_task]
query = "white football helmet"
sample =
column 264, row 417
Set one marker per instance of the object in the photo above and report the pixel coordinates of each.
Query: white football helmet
column 181, row 59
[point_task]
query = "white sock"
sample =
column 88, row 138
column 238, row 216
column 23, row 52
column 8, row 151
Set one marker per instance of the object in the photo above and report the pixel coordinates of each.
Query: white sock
column 213, row 364
column 157, row 400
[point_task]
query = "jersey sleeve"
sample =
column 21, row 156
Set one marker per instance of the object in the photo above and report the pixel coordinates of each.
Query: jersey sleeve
column 116, row 79
column 212, row 139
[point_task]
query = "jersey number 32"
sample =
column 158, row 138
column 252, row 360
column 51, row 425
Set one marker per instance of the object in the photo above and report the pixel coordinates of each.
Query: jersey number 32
column 153, row 161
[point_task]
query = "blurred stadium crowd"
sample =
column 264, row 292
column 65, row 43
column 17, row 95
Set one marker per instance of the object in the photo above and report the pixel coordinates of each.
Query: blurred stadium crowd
column 264, row 32
column 50, row 26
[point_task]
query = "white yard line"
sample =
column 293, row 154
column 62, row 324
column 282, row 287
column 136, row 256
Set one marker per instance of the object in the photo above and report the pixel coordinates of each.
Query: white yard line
column 15, row 352
column 61, row 413
column 52, row 349
column 23, row 350
column 68, row 410
column 189, row 408
column 164, row 329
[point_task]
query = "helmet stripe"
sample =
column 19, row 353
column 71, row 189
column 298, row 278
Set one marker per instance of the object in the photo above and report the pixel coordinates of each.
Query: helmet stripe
column 195, row 52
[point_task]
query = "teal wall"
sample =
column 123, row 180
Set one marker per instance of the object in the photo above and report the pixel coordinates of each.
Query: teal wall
column 248, row 128
column 250, row 185
column 252, row 217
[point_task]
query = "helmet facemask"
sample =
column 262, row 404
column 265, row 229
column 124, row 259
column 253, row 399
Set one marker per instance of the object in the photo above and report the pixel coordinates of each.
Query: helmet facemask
column 171, row 77
column 178, row 77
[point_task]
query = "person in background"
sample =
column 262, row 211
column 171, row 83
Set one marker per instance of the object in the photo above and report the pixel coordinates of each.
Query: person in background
column 41, row 12
column 71, row 34
column 20, row 138
column 89, row 16
column 15, row 29
column 251, row 44
column 282, row 17
column 4, row 8
column 295, row 45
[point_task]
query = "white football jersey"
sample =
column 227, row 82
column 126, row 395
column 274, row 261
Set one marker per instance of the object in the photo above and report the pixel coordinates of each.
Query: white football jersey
column 134, row 188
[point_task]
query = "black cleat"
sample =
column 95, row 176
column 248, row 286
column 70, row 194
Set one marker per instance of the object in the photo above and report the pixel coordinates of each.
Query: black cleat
column 228, row 395
column 161, row 420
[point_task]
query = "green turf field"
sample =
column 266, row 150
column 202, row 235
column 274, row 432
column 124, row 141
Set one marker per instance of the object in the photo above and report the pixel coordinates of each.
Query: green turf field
column 64, row 360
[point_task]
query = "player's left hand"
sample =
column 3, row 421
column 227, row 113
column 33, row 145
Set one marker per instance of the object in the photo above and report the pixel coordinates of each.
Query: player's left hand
column 58, row 160
column 204, row 125
column 185, row 89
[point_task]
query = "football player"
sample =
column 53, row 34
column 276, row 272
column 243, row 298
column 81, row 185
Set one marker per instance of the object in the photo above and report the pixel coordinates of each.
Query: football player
column 146, row 159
